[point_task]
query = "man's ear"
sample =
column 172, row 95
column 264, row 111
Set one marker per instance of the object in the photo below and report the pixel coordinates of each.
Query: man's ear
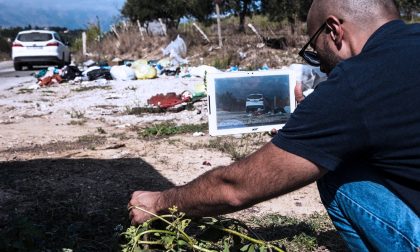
column 335, row 30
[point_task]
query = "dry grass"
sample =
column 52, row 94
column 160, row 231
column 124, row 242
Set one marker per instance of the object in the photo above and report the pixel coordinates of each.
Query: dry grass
column 238, row 49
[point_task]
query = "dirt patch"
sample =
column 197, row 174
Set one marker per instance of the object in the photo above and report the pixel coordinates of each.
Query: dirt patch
column 65, row 185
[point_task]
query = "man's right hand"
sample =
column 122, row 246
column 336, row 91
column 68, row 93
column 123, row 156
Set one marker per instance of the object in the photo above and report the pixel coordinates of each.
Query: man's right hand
column 144, row 200
column 299, row 92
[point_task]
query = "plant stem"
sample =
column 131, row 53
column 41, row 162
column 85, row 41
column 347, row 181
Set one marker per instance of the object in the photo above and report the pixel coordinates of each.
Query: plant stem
column 189, row 240
column 230, row 231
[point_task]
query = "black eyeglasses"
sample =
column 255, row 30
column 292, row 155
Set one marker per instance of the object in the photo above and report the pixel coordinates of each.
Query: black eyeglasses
column 311, row 57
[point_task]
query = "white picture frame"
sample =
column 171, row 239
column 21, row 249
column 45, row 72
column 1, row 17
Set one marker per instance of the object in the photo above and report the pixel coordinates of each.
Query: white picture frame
column 249, row 102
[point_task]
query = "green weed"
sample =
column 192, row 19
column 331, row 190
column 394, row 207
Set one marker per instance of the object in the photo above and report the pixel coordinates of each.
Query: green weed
column 175, row 232
column 169, row 129
column 89, row 88
column 76, row 114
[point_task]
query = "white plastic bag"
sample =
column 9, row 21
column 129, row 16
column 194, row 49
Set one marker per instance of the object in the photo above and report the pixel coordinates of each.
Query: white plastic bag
column 177, row 46
column 123, row 73
column 200, row 71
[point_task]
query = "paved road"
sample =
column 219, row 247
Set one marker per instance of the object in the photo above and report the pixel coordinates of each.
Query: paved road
column 11, row 78
column 6, row 70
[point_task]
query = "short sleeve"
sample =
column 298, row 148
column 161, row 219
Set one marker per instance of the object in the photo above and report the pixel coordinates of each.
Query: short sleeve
column 327, row 127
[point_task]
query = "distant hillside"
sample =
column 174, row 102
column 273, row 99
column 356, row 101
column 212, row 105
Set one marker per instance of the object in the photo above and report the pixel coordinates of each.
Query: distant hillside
column 45, row 13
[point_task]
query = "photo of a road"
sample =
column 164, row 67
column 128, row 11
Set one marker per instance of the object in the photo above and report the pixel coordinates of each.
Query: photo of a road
column 230, row 120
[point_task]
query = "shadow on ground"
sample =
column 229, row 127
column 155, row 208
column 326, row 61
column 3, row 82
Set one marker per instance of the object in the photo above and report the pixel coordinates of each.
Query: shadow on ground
column 80, row 204
column 51, row 204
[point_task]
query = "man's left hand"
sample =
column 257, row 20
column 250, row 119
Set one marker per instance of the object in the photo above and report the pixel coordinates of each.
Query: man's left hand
column 140, row 204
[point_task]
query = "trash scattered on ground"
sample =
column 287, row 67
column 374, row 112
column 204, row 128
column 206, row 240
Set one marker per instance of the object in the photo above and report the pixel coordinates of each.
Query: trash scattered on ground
column 144, row 71
column 207, row 163
column 177, row 51
column 123, row 73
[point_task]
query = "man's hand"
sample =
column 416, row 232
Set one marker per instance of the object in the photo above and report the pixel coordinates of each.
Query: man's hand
column 145, row 200
column 299, row 93
column 299, row 96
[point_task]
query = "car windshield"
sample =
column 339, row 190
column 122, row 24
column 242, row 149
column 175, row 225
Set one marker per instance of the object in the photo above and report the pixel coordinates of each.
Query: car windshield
column 256, row 96
column 34, row 36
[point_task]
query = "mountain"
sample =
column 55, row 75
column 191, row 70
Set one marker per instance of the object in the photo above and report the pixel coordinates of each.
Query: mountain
column 74, row 14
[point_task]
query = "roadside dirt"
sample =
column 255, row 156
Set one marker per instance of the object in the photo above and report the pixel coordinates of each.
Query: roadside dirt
column 70, row 159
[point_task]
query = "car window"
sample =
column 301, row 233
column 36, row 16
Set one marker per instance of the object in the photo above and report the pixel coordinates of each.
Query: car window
column 34, row 36
column 57, row 37
column 256, row 96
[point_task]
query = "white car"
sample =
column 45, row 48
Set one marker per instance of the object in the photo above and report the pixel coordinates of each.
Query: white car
column 39, row 47
column 255, row 102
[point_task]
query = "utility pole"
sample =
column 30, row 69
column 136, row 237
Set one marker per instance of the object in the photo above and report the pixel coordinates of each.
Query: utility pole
column 219, row 30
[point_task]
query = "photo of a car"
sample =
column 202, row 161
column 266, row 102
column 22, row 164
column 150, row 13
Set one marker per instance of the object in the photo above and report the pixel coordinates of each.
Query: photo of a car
column 39, row 47
column 254, row 102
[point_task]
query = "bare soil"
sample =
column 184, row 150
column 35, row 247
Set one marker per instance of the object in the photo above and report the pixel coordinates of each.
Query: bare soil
column 71, row 155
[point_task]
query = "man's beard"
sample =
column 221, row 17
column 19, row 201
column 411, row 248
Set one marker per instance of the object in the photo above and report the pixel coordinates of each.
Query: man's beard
column 328, row 59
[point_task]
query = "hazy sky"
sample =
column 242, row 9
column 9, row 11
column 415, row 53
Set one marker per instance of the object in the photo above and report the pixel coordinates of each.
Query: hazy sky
column 69, row 13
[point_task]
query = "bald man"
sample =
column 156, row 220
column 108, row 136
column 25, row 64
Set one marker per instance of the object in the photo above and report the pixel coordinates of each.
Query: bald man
column 357, row 135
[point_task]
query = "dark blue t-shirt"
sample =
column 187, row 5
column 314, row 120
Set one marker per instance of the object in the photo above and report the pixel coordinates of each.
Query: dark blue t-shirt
column 368, row 111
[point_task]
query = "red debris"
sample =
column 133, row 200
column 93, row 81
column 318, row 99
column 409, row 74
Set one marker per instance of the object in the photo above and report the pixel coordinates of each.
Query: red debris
column 168, row 100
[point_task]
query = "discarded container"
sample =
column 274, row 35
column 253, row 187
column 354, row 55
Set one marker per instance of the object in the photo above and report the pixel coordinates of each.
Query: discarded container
column 123, row 73
column 144, row 72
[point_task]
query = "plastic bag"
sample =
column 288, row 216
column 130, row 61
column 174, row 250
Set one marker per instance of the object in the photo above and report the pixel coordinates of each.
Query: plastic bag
column 177, row 46
column 201, row 70
column 177, row 51
column 144, row 72
column 123, row 73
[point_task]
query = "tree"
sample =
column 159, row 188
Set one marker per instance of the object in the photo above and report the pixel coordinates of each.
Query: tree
column 290, row 10
column 145, row 10
column 242, row 8
column 409, row 8
column 171, row 11
column 202, row 10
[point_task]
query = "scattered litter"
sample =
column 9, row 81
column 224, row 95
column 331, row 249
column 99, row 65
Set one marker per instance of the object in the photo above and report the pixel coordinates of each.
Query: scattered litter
column 49, row 80
column 198, row 134
column 144, row 72
column 89, row 63
column 123, row 126
column 123, row 73
column 177, row 46
column 33, row 87
column 201, row 71
column 70, row 72
column 177, row 51
column 165, row 101
column 207, row 163
column 173, row 71
column 95, row 73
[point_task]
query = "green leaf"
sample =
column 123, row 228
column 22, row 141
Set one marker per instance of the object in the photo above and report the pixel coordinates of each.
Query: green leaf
column 182, row 243
column 246, row 247
column 226, row 246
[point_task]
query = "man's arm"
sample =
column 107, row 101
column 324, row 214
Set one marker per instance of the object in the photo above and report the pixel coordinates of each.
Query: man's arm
column 267, row 173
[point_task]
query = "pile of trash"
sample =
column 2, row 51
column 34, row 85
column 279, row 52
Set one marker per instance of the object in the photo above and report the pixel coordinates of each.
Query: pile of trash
column 173, row 63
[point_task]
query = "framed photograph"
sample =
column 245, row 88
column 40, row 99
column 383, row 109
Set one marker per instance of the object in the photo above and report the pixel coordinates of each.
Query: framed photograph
column 246, row 102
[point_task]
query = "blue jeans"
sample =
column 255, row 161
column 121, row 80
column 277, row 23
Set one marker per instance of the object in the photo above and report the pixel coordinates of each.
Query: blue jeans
column 368, row 216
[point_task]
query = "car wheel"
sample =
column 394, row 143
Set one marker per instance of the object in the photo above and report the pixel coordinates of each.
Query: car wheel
column 17, row 66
